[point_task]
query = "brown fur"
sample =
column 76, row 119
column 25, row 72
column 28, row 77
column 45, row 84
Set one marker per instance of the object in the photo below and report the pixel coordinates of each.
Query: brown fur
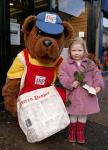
column 10, row 91
column 37, row 50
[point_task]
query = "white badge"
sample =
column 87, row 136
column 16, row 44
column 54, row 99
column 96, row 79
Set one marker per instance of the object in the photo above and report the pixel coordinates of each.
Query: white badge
column 51, row 18
column 40, row 80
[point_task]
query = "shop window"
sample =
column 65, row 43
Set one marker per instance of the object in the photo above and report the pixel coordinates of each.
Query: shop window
column 41, row 5
column 19, row 10
column 17, row 15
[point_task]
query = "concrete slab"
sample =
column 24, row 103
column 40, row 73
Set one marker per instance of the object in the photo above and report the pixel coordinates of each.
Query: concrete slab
column 100, row 118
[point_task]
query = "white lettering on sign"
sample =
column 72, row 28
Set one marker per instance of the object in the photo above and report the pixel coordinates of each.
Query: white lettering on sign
column 50, row 18
column 40, row 80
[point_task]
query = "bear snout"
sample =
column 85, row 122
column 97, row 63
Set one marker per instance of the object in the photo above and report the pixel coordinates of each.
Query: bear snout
column 47, row 43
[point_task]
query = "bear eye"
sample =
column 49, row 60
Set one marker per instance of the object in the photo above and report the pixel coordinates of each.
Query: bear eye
column 39, row 32
column 56, row 36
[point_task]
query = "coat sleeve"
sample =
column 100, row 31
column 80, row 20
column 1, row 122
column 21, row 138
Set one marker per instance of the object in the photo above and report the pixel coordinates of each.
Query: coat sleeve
column 97, row 78
column 64, row 76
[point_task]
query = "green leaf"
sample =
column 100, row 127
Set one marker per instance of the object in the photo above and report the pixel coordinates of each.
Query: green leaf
column 68, row 103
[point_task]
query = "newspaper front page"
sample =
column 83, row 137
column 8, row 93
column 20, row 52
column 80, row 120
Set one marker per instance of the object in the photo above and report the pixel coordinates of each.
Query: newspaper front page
column 41, row 113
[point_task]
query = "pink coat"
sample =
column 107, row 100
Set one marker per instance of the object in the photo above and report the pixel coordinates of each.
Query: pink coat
column 82, row 103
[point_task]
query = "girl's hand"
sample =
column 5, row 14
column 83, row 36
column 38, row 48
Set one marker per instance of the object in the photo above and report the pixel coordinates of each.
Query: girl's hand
column 97, row 89
column 75, row 84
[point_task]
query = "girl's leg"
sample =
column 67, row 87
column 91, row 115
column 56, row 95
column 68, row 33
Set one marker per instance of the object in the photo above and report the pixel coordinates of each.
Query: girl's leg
column 80, row 129
column 72, row 129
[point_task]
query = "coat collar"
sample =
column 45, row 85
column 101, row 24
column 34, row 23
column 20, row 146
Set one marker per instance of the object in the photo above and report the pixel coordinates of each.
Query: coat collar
column 71, row 61
column 83, row 65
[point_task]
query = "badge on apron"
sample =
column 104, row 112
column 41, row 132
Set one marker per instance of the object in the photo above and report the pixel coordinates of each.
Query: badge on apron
column 40, row 80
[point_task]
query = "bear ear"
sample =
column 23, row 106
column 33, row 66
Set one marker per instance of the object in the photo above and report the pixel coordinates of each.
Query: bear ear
column 68, row 30
column 28, row 24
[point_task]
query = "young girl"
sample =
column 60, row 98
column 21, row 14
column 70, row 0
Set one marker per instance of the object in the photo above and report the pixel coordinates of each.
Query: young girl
column 82, row 80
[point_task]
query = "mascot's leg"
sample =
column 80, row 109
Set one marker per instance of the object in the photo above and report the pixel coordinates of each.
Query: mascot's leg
column 10, row 92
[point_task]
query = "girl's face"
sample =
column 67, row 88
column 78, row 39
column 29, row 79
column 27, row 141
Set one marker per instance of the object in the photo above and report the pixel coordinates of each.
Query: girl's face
column 77, row 52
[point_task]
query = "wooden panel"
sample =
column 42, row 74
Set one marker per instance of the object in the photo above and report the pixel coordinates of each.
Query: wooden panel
column 78, row 23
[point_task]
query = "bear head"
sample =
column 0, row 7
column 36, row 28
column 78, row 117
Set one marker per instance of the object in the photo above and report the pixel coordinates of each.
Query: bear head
column 44, row 36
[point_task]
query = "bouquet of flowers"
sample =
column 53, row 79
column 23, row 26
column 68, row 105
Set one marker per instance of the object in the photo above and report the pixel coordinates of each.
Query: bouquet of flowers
column 80, row 75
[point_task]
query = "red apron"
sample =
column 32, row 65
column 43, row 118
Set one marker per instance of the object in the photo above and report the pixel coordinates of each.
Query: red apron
column 39, row 77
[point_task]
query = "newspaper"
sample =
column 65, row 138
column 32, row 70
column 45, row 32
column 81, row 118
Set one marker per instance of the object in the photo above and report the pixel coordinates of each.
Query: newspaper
column 41, row 113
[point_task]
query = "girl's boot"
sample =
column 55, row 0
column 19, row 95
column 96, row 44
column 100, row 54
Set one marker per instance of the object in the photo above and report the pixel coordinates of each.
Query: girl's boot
column 80, row 132
column 72, row 132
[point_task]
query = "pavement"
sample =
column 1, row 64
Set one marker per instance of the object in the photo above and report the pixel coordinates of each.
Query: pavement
column 12, row 138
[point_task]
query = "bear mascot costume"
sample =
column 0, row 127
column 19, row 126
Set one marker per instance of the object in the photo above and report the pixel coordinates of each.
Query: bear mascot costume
column 44, row 36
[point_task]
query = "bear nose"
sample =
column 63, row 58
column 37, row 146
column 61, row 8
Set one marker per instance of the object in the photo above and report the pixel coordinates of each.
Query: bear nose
column 47, row 43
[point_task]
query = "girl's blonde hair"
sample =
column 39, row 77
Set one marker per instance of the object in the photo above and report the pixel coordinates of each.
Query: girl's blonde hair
column 80, row 41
